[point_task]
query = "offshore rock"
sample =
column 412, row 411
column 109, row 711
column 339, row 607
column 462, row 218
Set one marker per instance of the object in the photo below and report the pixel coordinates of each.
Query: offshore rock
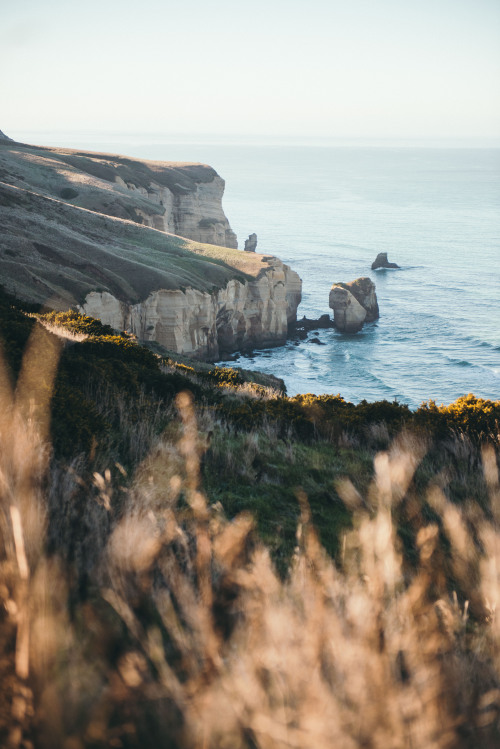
column 381, row 261
column 364, row 291
column 305, row 325
column 251, row 243
column 354, row 304
column 348, row 314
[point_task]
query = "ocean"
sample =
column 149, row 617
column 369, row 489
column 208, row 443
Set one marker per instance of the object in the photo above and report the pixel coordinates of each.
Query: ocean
column 327, row 210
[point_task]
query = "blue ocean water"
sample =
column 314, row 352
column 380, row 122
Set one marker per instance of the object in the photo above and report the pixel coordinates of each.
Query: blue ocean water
column 327, row 210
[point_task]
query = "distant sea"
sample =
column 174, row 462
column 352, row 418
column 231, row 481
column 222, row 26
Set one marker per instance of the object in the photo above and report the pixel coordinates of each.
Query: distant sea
column 327, row 208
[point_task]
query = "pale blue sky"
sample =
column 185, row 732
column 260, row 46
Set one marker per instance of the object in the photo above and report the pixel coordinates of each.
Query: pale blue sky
column 314, row 68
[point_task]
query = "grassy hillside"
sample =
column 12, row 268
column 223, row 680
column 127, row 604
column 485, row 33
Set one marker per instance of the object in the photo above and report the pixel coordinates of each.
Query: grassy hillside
column 70, row 225
column 190, row 558
column 113, row 404
column 51, row 250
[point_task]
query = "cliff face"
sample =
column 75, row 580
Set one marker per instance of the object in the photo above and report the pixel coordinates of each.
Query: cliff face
column 180, row 198
column 205, row 325
column 196, row 214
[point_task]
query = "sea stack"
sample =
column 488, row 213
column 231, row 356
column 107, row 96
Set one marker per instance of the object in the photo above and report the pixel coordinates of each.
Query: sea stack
column 353, row 304
column 381, row 261
column 251, row 243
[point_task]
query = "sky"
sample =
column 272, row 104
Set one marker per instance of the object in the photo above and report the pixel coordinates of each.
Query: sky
column 305, row 68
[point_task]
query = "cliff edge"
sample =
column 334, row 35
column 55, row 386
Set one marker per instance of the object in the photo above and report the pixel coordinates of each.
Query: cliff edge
column 180, row 198
column 194, row 298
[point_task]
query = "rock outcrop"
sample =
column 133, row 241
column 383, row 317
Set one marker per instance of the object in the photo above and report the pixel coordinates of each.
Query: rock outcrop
column 302, row 327
column 381, row 261
column 251, row 243
column 354, row 304
column 4, row 137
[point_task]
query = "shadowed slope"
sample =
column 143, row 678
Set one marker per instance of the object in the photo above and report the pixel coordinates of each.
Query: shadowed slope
column 53, row 250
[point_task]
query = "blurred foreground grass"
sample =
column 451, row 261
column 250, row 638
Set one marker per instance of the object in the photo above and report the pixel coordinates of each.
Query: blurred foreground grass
column 162, row 582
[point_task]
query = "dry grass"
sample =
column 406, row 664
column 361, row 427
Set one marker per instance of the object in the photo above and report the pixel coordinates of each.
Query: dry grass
column 188, row 638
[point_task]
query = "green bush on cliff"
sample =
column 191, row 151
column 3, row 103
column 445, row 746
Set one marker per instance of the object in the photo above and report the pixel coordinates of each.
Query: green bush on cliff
column 225, row 376
column 77, row 323
column 476, row 417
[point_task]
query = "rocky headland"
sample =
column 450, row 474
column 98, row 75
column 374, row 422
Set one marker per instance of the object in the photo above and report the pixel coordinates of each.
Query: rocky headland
column 144, row 246
column 354, row 304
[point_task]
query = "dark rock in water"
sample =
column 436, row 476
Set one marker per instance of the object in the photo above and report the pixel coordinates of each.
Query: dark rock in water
column 354, row 304
column 381, row 261
column 317, row 341
column 251, row 243
column 305, row 325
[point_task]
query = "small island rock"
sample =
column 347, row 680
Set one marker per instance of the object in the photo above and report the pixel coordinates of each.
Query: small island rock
column 364, row 291
column 381, row 261
column 348, row 313
column 251, row 243
column 353, row 304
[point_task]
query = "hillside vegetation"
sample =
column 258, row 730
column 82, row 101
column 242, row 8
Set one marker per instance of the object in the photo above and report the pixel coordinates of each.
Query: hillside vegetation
column 54, row 251
column 190, row 558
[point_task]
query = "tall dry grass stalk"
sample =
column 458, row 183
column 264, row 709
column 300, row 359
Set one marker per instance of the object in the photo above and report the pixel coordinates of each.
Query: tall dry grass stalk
column 190, row 639
column 24, row 428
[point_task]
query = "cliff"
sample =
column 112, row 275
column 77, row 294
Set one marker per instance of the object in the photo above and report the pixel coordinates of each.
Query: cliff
column 180, row 198
column 194, row 298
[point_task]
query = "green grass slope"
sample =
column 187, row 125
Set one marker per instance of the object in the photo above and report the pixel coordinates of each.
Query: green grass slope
column 51, row 250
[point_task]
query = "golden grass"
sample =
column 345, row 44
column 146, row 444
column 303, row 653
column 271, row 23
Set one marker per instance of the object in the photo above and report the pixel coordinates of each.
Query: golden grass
column 188, row 638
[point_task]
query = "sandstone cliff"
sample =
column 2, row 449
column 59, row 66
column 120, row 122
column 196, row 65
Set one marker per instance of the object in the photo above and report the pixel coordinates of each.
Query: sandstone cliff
column 194, row 298
column 242, row 315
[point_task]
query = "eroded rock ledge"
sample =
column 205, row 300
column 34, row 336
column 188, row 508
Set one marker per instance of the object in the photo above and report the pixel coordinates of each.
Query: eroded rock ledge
column 243, row 315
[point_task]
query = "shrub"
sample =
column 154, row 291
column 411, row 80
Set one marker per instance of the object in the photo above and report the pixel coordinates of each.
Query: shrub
column 68, row 193
column 78, row 323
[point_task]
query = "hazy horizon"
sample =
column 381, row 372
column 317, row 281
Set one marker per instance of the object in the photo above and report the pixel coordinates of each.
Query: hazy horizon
column 386, row 70
column 93, row 139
